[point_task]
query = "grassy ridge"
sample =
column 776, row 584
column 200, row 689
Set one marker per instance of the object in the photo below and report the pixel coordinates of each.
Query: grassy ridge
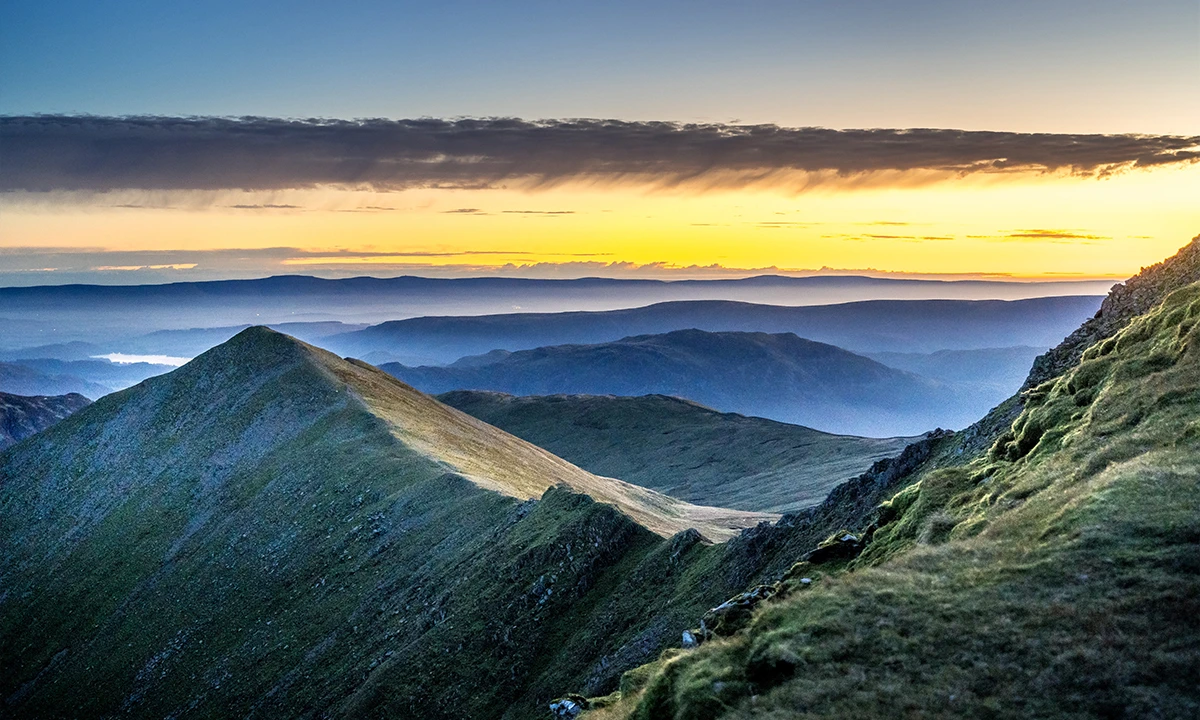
column 683, row 449
column 266, row 532
column 1057, row 576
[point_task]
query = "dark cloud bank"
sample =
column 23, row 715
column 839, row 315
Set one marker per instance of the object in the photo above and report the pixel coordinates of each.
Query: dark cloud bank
column 84, row 153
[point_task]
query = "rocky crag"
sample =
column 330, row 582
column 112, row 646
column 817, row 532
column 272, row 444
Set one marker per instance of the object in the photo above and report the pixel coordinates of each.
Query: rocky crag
column 1136, row 296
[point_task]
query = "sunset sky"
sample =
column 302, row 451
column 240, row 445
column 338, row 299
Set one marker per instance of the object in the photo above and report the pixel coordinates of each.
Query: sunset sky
column 701, row 157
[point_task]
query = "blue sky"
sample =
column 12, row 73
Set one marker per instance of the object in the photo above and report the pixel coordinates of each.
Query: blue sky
column 1049, row 66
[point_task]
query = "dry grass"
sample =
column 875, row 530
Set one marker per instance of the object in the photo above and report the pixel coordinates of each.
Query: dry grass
column 498, row 461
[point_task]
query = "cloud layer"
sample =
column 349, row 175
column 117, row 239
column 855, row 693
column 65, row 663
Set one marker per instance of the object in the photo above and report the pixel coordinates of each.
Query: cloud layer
column 98, row 154
column 20, row 266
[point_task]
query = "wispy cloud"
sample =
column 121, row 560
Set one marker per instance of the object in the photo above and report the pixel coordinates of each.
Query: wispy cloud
column 861, row 237
column 97, row 154
column 51, row 265
column 1053, row 235
column 132, row 268
column 265, row 206
column 1044, row 235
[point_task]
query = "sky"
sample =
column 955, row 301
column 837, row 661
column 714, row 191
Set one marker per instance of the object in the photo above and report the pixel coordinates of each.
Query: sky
column 443, row 138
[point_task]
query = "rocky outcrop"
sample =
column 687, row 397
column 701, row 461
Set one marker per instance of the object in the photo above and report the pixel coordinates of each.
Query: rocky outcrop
column 569, row 706
column 1136, row 296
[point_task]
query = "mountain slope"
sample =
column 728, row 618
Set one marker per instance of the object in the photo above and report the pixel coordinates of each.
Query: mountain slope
column 683, row 449
column 503, row 463
column 1056, row 576
column 1126, row 301
column 272, row 531
column 782, row 377
column 914, row 326
column 22, row 416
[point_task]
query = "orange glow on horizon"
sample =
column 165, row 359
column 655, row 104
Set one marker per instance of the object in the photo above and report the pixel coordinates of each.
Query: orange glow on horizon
column 1036, row 227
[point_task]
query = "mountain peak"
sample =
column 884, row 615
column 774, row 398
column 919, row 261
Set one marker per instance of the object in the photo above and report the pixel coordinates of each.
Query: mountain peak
column 261, row 373
column 496, row 460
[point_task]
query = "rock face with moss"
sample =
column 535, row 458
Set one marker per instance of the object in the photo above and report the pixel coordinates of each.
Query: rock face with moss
column 23, row 415
column 271, row 531
column 1055, row 575
column 1136, row 296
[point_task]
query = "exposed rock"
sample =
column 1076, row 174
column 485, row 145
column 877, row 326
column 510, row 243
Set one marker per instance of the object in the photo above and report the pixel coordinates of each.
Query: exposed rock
column 1136, row 296
column 569, row 706
column 841, row 546
column 734, row 614
column 683, row 541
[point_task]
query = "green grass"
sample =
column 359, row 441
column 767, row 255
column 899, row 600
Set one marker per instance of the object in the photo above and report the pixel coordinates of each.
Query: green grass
column 1057, row 576
column 262, row 533
column 683, row 449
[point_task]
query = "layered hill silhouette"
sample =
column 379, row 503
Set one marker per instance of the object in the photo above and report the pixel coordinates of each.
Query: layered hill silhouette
column 271, row 529
column 22, row 416
column 782, row 377
column 20, row 379
column 683, row 449
column 104, row 314
column 1052, row 575
column 907, row 326
column 97, row 375
column 992, row 370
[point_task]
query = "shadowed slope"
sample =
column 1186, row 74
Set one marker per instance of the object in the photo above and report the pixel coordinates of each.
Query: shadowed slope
column 271, row 531
column 22, row 416
column 683, row 449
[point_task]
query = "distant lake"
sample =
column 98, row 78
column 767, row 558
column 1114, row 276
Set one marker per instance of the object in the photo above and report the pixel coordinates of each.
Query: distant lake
column 123, row 359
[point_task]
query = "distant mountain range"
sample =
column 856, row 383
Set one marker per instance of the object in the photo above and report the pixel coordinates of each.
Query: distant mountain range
column 778, row 376
column 683, row 449
column 53, row 315
column 88, row 377
column 19, row 379
column 922, row 326
column 22, row 416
